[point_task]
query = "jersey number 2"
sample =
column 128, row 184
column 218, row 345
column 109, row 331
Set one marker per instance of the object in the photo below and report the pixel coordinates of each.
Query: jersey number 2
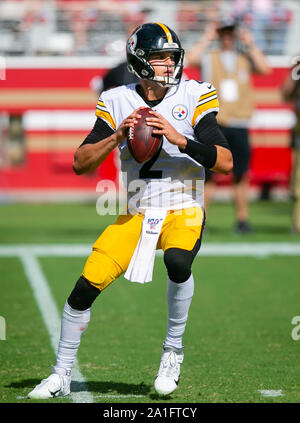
column 146, row 172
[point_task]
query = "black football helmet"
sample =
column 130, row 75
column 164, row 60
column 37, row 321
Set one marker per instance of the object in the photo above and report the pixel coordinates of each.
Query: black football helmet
column 152, row 38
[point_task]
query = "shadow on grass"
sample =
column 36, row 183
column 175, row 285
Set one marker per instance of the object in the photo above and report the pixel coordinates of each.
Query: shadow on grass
column 27, row 383
column 99, row 387
column 110, row 387
column 156, row 397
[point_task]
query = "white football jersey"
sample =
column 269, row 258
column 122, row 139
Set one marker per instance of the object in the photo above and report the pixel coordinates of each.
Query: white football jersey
column 173, row 180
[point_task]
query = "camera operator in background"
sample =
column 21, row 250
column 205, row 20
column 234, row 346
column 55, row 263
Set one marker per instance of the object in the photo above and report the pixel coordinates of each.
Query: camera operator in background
column 228, row 67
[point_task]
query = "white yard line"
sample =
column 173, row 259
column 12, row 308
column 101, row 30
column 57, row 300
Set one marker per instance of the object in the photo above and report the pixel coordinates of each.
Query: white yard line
column 271, row 392
column 257, row 249
column 51, row 317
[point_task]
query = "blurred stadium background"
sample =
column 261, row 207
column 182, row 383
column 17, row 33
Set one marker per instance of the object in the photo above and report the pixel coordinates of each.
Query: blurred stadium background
column 55, row 53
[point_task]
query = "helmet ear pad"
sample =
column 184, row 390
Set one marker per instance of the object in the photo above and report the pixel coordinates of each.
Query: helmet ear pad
column 140, row 67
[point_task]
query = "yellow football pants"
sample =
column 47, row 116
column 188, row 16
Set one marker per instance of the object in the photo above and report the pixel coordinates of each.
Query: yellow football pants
column 114, row 248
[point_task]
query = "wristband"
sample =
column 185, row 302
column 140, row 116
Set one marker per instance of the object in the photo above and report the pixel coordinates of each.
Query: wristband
column 204, row 154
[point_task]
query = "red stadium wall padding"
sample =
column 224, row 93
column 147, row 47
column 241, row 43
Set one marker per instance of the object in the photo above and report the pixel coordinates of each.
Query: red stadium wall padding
column 69, row 90
column 80, row 78
column 54, row 171
column 270, row 165
column 50, row 78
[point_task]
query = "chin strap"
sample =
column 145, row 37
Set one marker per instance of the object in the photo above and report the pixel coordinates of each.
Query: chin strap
column 165, row 81
column 168, row 81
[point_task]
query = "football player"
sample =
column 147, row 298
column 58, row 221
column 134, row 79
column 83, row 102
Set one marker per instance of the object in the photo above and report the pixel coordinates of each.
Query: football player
column 184, row 113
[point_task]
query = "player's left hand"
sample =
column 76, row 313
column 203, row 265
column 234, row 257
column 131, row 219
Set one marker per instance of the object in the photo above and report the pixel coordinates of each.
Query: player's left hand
column 163, row 127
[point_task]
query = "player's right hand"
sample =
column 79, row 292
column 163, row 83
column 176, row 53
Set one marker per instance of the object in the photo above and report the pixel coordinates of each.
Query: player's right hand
column 128, row 122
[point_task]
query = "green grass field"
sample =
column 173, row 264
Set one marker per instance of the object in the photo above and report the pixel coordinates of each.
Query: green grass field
column 238, row 338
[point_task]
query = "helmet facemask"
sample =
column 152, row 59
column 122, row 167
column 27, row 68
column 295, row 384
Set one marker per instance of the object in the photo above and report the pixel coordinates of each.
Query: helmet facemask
column 144, row 70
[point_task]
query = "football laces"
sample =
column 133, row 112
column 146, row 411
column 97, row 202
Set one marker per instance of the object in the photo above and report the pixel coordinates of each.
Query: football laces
column 130, row 133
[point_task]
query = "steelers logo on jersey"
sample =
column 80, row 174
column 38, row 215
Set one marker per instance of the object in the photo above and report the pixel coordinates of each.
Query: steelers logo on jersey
column 180, row 112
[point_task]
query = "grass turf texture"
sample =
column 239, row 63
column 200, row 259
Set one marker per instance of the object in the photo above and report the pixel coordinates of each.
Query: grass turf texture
column 79, row 223
column 238, row 338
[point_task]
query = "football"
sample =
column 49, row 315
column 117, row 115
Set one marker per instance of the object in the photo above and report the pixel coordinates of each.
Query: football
column 141, row 141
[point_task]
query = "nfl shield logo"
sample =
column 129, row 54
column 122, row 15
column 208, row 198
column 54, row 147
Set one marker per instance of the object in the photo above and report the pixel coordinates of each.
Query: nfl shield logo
column 153, row 223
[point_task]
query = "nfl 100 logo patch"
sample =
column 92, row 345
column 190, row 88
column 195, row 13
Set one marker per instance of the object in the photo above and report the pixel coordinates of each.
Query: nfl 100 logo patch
column 153, row 223
column 180, row 112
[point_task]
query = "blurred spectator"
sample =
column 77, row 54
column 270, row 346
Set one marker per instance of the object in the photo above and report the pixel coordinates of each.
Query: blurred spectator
column 269, row 26
column 268, row 21
column 192, row 16
column 291, row 93
column 80, row 27
column 229, row 70
column 187, row 15
column 37, row 20
column 120, row 75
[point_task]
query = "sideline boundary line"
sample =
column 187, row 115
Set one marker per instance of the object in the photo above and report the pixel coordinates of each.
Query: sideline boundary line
column 52, row 320
column 258, row 249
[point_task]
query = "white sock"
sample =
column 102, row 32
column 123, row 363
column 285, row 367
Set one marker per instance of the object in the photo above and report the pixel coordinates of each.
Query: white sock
column 179, row 297
column 73, row 324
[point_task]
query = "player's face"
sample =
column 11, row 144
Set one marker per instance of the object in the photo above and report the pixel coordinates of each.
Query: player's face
column 163, row 63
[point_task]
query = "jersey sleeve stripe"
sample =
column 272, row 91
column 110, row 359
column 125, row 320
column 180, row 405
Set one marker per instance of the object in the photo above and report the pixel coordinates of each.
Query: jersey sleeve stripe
column 204, row 108
column 102, row 108
column 207, row 95
column 213, row 97
column 107, row 117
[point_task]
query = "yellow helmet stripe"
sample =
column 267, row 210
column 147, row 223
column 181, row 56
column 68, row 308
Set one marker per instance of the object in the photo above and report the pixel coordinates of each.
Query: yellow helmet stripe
column 167, row 32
